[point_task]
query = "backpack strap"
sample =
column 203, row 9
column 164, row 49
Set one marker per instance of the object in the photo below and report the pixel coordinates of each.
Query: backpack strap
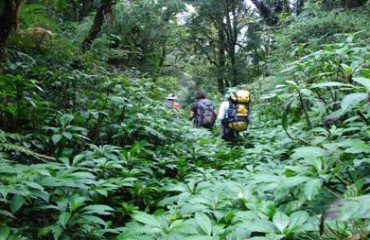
column 198, row 123
column 235, row 101
column 195, row 118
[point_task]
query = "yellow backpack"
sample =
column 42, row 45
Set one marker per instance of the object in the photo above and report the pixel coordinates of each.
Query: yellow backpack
column 238, row 112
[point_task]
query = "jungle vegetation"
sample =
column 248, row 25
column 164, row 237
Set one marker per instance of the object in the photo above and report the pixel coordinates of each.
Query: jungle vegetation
column 88, row 150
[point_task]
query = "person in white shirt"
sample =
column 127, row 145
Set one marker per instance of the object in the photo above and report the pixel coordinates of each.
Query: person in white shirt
column 226, row 133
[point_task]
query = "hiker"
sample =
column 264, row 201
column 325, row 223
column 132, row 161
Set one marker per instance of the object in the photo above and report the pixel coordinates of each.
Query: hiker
column 171, row 101
column 202, row 112
column 234, row 113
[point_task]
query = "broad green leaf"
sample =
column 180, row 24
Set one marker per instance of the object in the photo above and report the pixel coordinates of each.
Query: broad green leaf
column 294, row 181
column 355, row 146
column 77, row 202
column 268, row 96
column 4, row 232
column 294, row 205
column 146, row 219
column 309, row 153
column 57, row 230
column 66, row 118
column 82, row 175
column 67, row 135
column 266, row 178
column 259, row 225
column 5, row 190
column 284, row 118
column 44, row 231
column 296, row 220
column 363, row 81
column 336, row 114
column 281, row 221
column 78, row 158
column 311, row 188
column 204, row 223
column 306, row 92
column 6, row 214
column 352, row 100
column 292, row 83
column 192, row 208
column 329, row 84
column 64, row 218
column 34, row 185
column 177, row 225
column 289, row 69
column 93, row 219
column 56, row 138
column 346, row 68
column 98, row 209
column 41, row 194
column 16, row 203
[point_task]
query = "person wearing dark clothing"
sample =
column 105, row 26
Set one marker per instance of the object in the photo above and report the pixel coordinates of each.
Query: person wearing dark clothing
column 202, row 112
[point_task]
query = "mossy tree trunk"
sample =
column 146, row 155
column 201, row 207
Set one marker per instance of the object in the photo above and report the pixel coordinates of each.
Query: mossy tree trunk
column 105, row 9
column 298, row 6
column 7, row 17
column 353, row 3
column 265, row 12
column 221, row 82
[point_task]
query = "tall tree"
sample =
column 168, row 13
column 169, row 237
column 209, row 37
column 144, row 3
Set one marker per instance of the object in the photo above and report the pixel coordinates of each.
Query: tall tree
column 145, row 33
column 9, row 15
column 298, row 5
column 104, row 11
column 218, row 27
column 269, row 10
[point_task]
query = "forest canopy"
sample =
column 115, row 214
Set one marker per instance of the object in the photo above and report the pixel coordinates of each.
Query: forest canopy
column 90, row 150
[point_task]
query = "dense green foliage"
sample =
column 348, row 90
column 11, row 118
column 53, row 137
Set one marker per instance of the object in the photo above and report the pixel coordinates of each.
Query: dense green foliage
column 88, row 149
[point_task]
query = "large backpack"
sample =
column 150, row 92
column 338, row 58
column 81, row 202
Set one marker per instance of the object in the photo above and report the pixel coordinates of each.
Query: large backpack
column 238, row 111
column 205, row 114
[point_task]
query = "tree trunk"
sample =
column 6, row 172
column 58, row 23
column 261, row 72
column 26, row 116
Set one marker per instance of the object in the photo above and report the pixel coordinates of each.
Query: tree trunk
column 266, row 13
column 286, row 6
column 221, row 62
column 231, row 32
column 104, row 9
column 234, row 68
column 85, row 9
column 298, row 8
column 352, row 3
column 7, row 17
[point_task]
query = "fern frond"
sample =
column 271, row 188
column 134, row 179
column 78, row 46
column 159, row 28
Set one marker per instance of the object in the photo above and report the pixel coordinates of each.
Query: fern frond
column 5, row 136
column 11, row 147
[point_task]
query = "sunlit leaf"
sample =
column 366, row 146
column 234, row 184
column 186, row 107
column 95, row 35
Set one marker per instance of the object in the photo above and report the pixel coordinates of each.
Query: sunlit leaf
column 4, row 232
column 67, row 135
column 64, row 218
column 296, row 220
column 146, row 219
column 352, row 100
column 355, row 146
column 204, row 223
column 281, row 221
column 311, row 188
column 363, row 81
column 56, row 138
column 328, row 84
column 16, row 203
column 98, row 209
